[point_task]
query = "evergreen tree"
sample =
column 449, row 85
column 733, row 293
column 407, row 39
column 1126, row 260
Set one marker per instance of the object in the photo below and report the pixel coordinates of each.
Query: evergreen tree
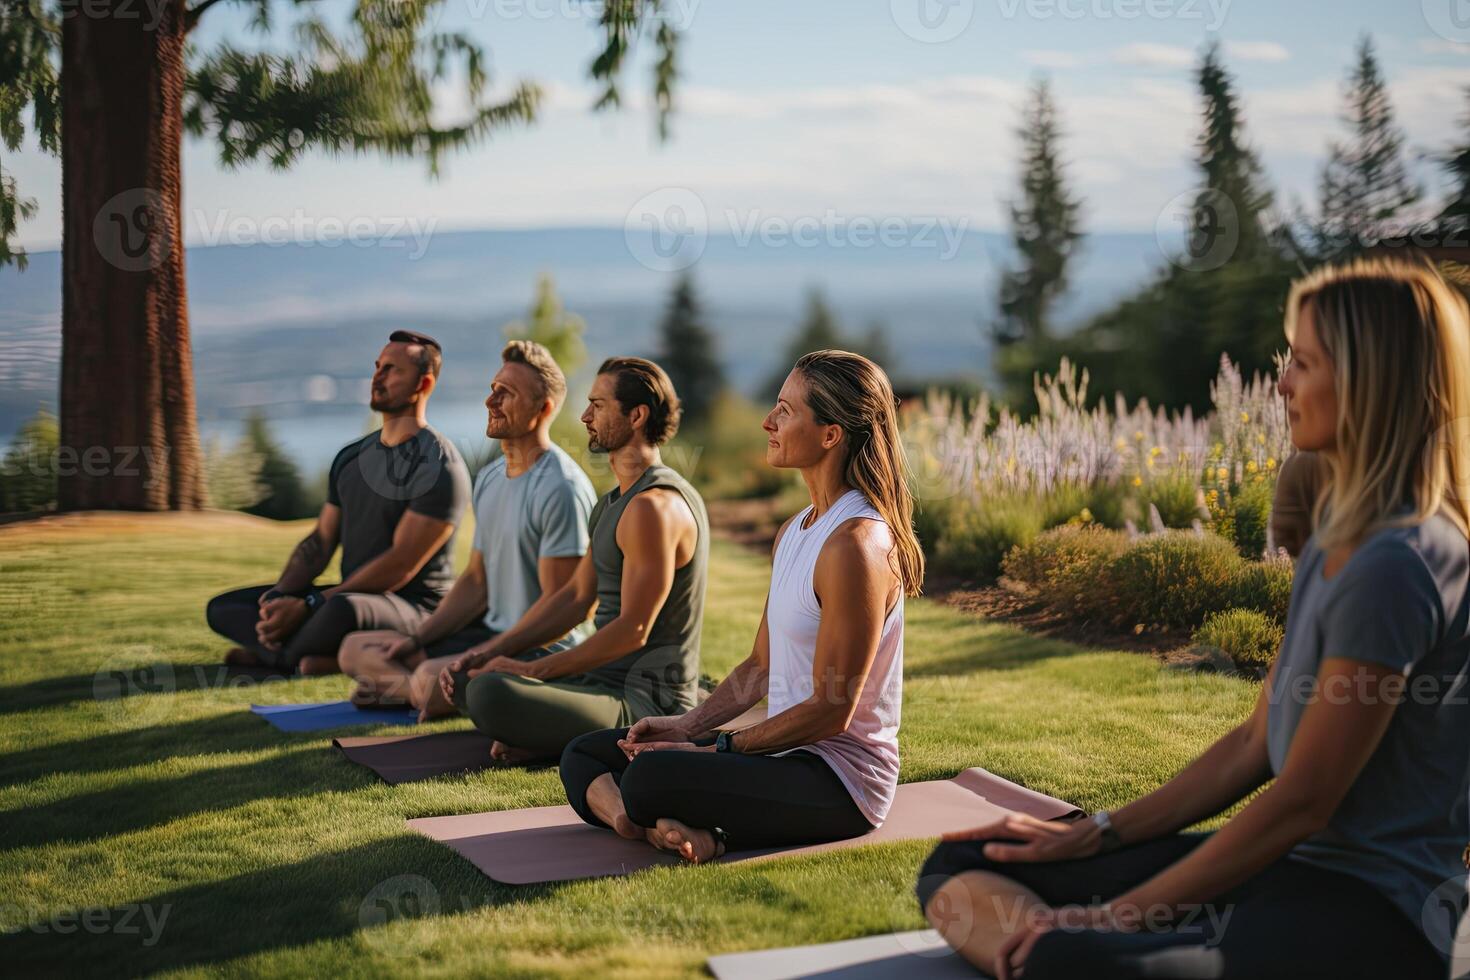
column 28, row 472
column 1044, row 226
column 1456, row 164
column 112, row 90
column 873, row 344
column 284, row 497
column 1230, row 169
column 687, row 353
column 818, row 331
column 551, row 326
column 1365, row 184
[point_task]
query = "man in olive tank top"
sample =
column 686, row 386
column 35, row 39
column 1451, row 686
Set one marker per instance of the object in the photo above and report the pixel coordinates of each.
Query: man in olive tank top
column 645, row 572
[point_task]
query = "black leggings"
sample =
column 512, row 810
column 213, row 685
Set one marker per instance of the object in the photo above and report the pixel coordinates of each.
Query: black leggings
column 233, row 615
column 1290, row 921
column 757, row 800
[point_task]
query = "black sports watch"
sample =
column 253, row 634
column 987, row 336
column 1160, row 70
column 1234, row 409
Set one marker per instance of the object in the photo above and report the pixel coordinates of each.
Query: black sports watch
column 725, row 742
column 313, row 600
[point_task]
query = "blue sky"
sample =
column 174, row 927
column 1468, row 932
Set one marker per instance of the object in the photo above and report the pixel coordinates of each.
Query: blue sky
column 857, row 108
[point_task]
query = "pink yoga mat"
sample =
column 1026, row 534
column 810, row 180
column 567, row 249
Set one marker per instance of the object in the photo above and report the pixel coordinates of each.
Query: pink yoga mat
column 410, row 758
column 551, row 843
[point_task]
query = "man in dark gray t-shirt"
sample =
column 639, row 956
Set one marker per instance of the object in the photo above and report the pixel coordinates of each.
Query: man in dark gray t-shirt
column 394, row 502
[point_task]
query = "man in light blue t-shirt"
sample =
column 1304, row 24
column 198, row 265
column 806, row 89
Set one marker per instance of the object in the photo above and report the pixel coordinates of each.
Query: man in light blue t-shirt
column 532, row 506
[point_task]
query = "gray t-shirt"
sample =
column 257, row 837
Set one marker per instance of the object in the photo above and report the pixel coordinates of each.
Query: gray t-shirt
column 1400, row 601
column 542, row 513
column 374, row 485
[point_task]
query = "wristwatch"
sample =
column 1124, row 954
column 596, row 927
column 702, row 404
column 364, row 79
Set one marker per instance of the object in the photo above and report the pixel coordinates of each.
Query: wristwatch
column 313, row 600
column 1110, row 840
column 725, row 742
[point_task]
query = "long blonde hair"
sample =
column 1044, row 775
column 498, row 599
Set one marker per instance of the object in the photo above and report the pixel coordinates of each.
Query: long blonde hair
column 851, row 391
column 1399, row 339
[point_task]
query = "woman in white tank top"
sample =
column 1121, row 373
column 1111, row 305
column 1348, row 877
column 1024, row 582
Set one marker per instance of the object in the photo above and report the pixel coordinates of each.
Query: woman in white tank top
column 828, row 655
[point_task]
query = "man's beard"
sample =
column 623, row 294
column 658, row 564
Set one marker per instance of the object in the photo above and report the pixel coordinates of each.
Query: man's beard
column 382, row 403
column 617, row 440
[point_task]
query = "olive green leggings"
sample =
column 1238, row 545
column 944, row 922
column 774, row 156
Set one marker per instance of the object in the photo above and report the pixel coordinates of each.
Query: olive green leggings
column 542, row 716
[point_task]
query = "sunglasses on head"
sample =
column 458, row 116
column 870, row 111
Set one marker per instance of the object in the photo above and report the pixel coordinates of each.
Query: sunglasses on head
column 414, row 337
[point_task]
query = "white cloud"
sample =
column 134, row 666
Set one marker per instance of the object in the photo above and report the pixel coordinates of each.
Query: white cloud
column 1051, row 59
column 1147, row 55
column 1438, row 46
column 1256, row 51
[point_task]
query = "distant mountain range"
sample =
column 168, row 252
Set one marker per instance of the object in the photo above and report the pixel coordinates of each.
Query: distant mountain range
column 294, row 328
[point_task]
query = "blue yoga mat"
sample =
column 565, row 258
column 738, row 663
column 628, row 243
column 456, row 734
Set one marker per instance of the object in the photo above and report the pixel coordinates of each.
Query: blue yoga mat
column 331, row 714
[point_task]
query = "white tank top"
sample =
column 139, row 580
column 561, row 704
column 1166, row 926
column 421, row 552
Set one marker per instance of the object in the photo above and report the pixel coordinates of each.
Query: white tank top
column 865, row 757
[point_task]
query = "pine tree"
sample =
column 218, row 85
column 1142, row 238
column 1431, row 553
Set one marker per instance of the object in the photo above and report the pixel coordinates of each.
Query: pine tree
column 1365, row 184
column 687, row 352
column 1456, row 164
column 1233, row 198
column 551, row 326
column 818, row 331
column 112, row 90
column 284, row 498
column 1044, row 227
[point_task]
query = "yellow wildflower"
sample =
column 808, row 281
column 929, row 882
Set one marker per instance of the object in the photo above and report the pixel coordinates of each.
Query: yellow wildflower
column 1251, row 466
column 1245, row 417
column 1222, row 473
column 1270, row 462
column 1138, row 481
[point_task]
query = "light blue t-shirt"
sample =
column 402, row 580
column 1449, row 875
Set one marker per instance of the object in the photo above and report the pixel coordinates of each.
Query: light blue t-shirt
column 542, row 513
column 1399, row 601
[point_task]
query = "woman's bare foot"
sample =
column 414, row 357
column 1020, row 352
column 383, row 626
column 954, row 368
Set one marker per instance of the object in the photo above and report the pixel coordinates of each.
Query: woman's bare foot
column 366, row 696
column 694, row 846
column 501, row 752
column 241, row 657
column 606, row 801
column 316, row 666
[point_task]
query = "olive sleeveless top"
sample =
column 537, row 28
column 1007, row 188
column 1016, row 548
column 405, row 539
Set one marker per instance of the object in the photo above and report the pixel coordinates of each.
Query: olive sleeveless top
column 662, row 676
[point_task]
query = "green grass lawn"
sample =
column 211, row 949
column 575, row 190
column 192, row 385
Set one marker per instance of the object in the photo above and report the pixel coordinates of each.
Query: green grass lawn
column 170, row 831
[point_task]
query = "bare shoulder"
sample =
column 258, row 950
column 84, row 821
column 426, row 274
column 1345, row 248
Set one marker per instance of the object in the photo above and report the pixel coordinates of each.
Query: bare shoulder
column 660, row 507
column 859, row 541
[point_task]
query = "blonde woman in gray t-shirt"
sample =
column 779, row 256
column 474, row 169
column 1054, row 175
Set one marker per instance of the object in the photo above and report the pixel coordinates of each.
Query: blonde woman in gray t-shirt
column 1348, row 861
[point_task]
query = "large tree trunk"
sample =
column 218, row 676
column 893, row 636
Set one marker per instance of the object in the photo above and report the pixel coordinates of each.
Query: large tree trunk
column 128, row 431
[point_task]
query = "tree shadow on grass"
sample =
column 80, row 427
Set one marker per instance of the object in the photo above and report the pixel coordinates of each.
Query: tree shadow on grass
column 1002, row 649
column 324, row 897
column 138, row 804
column 236, row 730
column 106, row 684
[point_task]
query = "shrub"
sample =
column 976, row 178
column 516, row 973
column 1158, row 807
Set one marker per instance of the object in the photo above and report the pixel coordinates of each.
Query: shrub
column 1109, row 505
column 1264, row 586
column 1247, row 636
column 29, row 470
column 976, row 539
column 1176, row 498
column 1172, row 579
column 1064, row 566
column 1251, row 509
column 1062, row 504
